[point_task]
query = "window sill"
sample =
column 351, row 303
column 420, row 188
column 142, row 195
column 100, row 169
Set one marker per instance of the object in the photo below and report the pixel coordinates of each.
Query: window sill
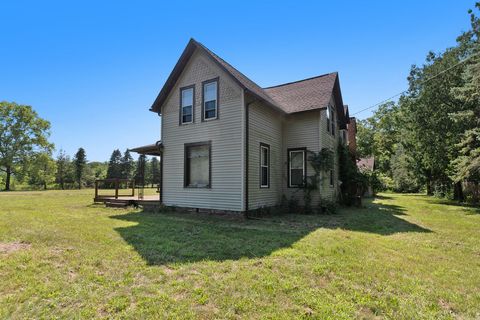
column 210, row 119
column 194, row 187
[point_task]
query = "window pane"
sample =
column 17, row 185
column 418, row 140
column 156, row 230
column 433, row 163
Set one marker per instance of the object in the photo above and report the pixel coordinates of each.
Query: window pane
column 264, row 156
column 296, row 178
column 187, row 110
column 264, row 176
column 198, row 162
column 187, row 118
column 210, row 109
column 296, row 160
column 187, row 97
column 210, row 91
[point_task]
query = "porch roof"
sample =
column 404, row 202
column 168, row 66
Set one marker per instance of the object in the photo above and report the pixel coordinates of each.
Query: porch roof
column 154, row 149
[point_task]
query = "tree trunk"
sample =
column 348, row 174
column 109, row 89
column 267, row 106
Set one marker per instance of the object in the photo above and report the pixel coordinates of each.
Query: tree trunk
column 7, row 181
column 44, row 185
column 429, row 188
column 458, row 192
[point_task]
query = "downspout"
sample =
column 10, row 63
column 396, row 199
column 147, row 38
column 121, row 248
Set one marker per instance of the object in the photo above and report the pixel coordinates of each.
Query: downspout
column 161, row 160
column 247, row 105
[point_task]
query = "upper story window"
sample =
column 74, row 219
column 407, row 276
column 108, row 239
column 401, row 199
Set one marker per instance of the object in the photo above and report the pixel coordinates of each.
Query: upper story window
column 328, row 118
column 186, row 104
column 210, row 99
column 264, row 165
column 296, row 167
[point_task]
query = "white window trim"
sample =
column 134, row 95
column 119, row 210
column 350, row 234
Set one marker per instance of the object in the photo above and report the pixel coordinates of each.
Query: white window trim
column 290, row 185
column 205, row 101
column 265, row 147
column 181, row 104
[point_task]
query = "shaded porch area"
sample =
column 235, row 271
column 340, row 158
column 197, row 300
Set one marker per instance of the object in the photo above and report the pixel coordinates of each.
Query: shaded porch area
column 126, row 192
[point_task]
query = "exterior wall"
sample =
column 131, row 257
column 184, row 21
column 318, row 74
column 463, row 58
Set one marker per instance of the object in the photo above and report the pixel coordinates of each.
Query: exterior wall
column 300, row 130
column 352, row 136
column 265, row 126
column 225, row 133
column 327, row 140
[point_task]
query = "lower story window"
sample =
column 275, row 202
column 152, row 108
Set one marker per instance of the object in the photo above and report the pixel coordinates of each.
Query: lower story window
column 331, row 178
column 197, row 165
column 296, row 167
column 264, row 165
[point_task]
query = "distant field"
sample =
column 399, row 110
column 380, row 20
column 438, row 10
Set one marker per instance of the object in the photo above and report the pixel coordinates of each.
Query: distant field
column 403, row 256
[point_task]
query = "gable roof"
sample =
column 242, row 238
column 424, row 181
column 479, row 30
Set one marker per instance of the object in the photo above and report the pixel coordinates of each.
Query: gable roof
column 308, row 94
column 303, row 95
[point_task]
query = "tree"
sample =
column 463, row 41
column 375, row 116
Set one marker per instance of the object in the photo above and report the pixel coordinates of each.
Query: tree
column 466, row 167
column 22, row 133
column 403, row 172
column 155, row 170
column 42, row 170
column 127, row 165
column 140, row 170
column 80, row 162
column 64, row 169
column 114, row 170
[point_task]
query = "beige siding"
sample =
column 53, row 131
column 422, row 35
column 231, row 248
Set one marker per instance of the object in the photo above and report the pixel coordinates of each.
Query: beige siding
column 327, row 140
column 265, row 126
column 300, row 130
column 225, row 134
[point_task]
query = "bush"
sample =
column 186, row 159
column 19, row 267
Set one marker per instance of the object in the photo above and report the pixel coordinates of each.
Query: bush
column 327, row 207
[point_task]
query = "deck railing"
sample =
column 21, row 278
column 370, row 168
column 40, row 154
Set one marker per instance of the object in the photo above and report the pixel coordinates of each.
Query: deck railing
column 114, row 184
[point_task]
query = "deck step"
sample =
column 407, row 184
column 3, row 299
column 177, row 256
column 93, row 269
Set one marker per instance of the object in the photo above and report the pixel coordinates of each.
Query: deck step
column 116, row 204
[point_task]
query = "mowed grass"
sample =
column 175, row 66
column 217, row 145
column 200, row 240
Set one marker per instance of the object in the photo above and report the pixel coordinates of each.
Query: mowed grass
column 403, row 256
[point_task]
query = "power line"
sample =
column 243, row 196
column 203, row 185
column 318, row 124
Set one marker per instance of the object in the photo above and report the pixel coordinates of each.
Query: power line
column 422, row 82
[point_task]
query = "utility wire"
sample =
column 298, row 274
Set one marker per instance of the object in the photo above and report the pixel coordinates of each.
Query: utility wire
column 422, row 82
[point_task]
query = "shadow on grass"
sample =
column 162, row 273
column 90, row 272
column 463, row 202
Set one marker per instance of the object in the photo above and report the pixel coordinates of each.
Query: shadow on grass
column 186, row 237
column 470, row 208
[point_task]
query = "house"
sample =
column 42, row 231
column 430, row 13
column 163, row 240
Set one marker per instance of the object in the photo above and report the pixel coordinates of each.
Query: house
column 229, row 145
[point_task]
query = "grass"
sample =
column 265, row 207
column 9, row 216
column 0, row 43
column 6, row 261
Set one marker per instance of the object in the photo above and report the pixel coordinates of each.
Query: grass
column 403, row 256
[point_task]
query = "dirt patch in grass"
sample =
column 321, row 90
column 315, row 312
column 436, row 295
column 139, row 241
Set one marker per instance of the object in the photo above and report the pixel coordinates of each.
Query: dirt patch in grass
column 9, row 247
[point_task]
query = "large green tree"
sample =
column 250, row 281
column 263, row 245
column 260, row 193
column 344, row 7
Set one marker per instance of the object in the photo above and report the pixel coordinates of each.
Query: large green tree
column 80, row 163
column 127, row 165
column 42, row 170
column 64, row 172
column 22, row 134
column 114, row 170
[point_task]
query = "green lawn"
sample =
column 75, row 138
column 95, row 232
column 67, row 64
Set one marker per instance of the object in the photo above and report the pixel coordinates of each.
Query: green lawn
column 403, row 256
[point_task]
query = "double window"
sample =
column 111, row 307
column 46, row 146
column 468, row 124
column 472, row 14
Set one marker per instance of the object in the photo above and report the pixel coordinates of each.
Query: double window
column 210, row 99
column 264, row 165
column 187, row 98
column 197, row 172
column 296, row 167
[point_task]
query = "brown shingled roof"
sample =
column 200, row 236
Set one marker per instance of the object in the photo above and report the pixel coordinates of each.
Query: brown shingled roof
column 298, row 96
column 304, row 95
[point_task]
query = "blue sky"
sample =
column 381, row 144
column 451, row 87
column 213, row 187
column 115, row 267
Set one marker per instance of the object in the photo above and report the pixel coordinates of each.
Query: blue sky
column 94, row 68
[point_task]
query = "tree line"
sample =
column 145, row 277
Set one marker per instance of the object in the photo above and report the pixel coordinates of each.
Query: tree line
column 430, row 138
column 26, row 157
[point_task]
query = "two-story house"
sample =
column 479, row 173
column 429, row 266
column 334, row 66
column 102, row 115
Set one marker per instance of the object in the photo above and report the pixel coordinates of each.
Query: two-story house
column 227, row 144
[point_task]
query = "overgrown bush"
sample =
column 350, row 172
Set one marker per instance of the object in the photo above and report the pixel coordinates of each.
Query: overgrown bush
column 327, row 206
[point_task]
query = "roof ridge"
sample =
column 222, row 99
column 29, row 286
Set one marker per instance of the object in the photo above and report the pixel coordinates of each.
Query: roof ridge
column 306, row 79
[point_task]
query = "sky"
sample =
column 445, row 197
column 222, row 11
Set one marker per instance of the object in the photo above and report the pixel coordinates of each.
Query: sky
column 93, row 68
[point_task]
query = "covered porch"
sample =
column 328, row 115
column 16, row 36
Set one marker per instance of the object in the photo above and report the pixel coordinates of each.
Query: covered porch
column 134, row 191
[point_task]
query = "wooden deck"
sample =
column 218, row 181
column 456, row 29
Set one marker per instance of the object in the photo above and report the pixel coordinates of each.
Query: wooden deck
column 148, row 200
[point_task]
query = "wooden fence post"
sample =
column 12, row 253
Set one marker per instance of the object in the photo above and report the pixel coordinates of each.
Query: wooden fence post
column 116, row 188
